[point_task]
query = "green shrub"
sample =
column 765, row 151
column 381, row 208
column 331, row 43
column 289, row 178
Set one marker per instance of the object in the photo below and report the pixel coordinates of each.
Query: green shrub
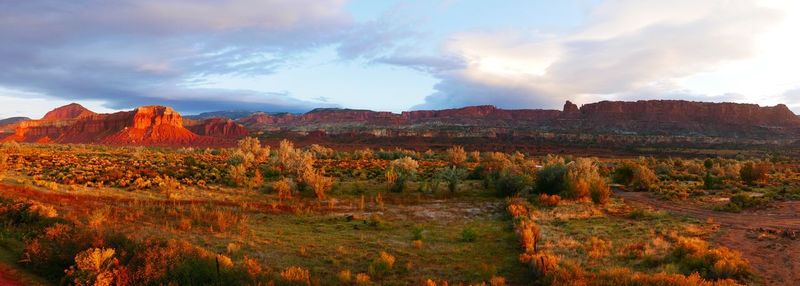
column 453, row 176
column 739, row 202
column 550, row 179
column 752, row 172
column 636, row 175
column 469, row 235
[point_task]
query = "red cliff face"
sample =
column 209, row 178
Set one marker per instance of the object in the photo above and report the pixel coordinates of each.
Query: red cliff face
column 485, row 112
column 69, row 111
column 690, row 112
column 343, row 115
column 219, row 127
column 149, row 125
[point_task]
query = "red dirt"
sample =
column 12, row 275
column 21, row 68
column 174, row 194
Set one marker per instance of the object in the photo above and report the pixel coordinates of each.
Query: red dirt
column 7, row 277
column 767, row 238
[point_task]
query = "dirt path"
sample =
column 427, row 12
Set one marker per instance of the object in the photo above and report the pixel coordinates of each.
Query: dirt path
column 785, row 216
column 760, row 236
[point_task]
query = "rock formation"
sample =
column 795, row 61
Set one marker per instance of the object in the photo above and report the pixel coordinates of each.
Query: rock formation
column 148, row 125
column 607, row 122
column 69, row 111
column 219, row 127
column 669, row 118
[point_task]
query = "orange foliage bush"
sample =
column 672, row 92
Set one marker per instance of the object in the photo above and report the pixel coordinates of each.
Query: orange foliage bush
column 296, row 275
column 549, row 200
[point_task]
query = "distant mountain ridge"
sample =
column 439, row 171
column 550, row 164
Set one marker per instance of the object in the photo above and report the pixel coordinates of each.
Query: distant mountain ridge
column 649, row 121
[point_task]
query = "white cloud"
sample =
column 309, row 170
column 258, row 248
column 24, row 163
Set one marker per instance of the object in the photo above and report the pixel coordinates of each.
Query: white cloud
column 626, row 50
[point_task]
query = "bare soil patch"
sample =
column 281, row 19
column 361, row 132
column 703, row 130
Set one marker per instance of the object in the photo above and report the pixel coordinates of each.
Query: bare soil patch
column 769, row 239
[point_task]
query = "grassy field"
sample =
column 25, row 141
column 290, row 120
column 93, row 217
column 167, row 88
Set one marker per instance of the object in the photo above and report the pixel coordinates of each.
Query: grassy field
column 251, row 216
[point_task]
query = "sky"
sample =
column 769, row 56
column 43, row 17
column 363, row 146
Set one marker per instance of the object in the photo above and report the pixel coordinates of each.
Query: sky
column 392, row 55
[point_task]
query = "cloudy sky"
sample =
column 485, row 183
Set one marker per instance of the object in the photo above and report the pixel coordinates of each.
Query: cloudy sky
column 294, row 55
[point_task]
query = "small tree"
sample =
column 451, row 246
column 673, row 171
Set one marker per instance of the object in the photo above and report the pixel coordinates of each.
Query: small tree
column 317, row 182
column 238, row 175
column 456, row 155
column 452, row 176
column 752, row 172
column 257, row 181
column 284, row 189
column 285, row 153
column 252, row 146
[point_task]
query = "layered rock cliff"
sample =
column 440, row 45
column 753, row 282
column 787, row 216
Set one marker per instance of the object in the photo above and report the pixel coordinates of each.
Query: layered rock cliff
column 659, row 118
column 218, row 127
column 148, row 125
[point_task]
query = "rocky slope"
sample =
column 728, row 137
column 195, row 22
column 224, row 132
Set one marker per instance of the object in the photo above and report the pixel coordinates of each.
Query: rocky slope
column 148, row 125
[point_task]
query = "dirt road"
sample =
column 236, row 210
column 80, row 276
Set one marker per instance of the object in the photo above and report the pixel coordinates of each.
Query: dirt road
column 759, row 236
column 784, row 215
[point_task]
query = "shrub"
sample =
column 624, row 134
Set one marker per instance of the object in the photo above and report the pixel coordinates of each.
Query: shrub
column 317, row 182
column 475, row 156
column 497, row 281
column 528, row 232
column 284, row 188
column 739, row 202
column 364, row 154
column 542, row 264
column 252, row 148
column 582, row 179
column 597, row 248
column 624, row 276
column 510, row 183
column 3, row 165
column 362, row 279
column 752, row 172
column 321, row 152
column 468, row 235
column 238, row 175
column 517, row 208
column 693, row 255
column 296, row 275
column 400, row 171
column 382, row 265
column 293, row 161
column 345, row 276
column 253, row 268
column 94, row 267
column 416, row 233
column 599, row 192
column 550, row 179
column 456, row 155
column 452, row 176
column 495, row 162
column 549, row 200
column 636, row 175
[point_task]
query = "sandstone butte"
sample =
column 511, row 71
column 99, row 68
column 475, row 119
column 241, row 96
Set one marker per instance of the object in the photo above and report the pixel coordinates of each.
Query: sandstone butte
column 147, row 126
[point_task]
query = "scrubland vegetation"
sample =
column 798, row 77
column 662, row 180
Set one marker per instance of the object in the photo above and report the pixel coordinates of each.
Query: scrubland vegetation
column 255, row 215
